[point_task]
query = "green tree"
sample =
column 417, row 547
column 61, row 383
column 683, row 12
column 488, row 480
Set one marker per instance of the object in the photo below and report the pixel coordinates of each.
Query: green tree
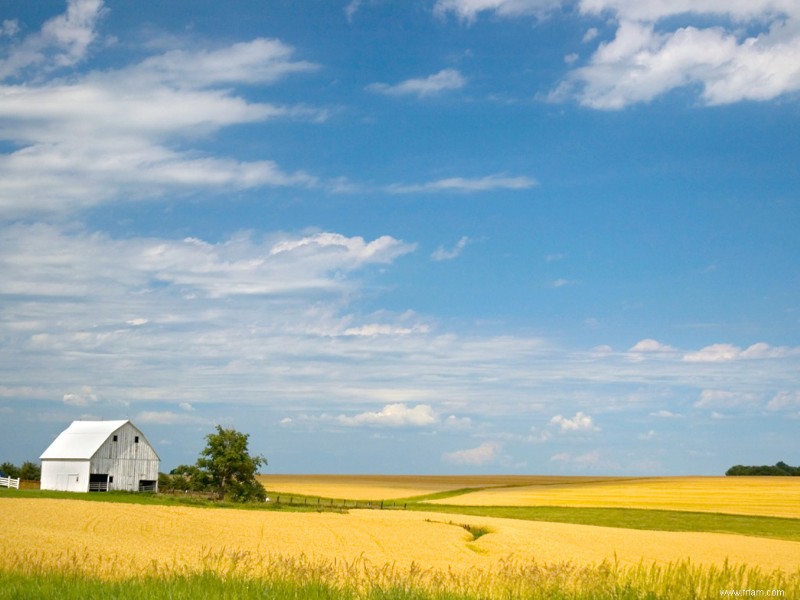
column 230, row 468
column 30, row 471
column 9, row 469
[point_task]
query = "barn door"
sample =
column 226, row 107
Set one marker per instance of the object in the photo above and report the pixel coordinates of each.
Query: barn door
column 74, row 483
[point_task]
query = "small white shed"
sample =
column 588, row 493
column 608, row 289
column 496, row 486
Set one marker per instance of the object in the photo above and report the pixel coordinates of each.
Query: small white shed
column 98, row 456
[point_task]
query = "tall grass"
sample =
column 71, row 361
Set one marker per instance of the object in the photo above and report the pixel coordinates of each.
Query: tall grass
column 237, row 575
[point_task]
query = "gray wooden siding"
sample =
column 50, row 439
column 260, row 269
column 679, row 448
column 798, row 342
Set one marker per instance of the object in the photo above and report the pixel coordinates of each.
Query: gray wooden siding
column 126, row 460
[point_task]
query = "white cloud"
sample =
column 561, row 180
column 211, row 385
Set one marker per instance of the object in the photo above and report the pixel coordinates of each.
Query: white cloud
column 666, row 414
column 729, row 352
column 468, row 185
column 784, row 399
column 85, row 397
column 121, row 134
column 484, row 454
column 650, row 435
column 168, row 418
column 590, row 34
column 442, row 253
column 644, row 61
column 559, row 283
column 394, row 415
column 374, row 329
column 724, row 399
column 588, row 459
column 650, row 345
column 9, row 28
column 468, row 10
column 580, row 422
column 443, row 81
column 284, row 265
column 62, row 42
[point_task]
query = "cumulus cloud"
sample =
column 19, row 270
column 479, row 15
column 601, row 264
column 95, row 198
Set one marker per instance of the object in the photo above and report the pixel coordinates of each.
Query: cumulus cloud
column 646, row 60
column 465, row 185
column 443, row 81
column 84, row 397
column 580, row 422
column 743, row 50
column 484, row 454
column 394, row 415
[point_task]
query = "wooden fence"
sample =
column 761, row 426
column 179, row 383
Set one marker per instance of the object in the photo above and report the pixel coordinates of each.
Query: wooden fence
column 9, row 482
column 332, row 503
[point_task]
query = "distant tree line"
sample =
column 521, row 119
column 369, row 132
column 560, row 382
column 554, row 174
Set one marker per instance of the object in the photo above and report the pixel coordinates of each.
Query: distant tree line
column 779, row 468
column 29, row 471
column 225, row 467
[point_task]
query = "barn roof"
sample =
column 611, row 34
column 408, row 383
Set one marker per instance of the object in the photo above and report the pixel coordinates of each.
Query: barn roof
column 81, row 439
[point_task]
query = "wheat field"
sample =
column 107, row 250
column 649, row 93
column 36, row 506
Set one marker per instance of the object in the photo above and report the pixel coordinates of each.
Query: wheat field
column 385, row 487
column 765, row 496
column 111, row 540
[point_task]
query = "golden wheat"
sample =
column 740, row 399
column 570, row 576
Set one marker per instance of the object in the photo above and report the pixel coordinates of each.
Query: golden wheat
column 384, row 487
column 768, row 496
column 120, row 540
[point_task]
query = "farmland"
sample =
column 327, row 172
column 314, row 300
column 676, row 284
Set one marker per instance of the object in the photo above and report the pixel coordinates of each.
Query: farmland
column 767, row 496
column 490, row 542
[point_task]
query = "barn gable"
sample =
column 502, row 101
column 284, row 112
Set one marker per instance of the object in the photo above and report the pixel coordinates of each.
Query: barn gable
column 100, row 456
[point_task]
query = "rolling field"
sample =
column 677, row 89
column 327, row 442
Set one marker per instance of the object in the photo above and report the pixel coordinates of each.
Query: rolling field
column 391, row 487
column 141, row 538
column 458, row 538
column 767, row 496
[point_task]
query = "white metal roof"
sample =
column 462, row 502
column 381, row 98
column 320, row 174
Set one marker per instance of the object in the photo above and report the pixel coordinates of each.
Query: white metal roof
column 81, row 439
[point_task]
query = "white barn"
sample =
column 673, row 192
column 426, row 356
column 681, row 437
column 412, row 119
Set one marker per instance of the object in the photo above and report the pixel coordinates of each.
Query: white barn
column 100, row 456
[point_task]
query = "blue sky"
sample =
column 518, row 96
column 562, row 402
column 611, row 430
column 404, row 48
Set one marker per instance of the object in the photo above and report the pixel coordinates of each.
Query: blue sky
column 442, row 236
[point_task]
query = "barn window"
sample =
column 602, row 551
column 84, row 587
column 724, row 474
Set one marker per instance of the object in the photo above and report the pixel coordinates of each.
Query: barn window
column 136, row 439
column 115, row 438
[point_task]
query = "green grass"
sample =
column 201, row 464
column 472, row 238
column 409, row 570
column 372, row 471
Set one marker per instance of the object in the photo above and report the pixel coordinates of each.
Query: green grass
column 163, row 500
column 295, row 580
column 635, row 518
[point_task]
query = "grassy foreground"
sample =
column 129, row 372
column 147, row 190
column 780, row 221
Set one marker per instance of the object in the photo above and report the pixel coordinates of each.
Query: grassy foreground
column 299, row 578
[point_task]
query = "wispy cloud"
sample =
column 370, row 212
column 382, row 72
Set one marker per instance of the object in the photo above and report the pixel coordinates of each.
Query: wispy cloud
column 444, row 81
column 96, row 137
column 442, row 253
column 468, row 10
column 465, row 185
column 486, row 453
column 729, row 352
column 62, row 42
